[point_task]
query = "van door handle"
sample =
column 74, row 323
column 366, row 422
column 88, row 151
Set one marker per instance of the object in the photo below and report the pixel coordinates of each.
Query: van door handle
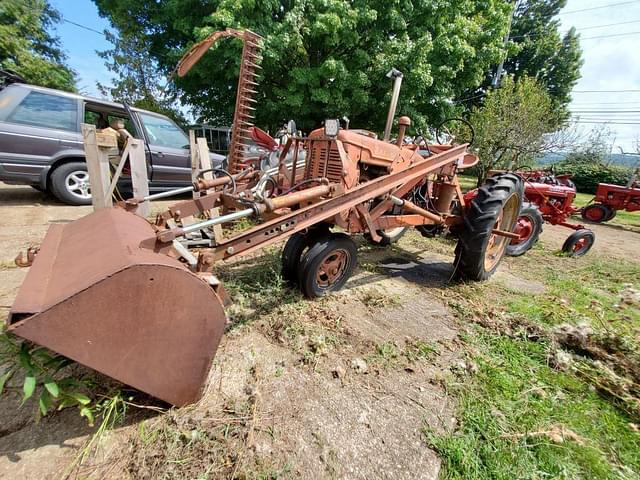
column 160, row 154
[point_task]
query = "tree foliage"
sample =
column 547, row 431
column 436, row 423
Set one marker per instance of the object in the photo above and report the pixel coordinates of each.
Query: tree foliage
column 537, row 49
column 325, row 58
column 512, row 125
column 137, row 80
column 27, row 47
column 542, row 52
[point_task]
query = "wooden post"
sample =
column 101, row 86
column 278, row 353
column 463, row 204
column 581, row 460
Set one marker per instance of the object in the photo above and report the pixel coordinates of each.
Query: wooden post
column 200, row 160
column 139, row 177
column 195, row 162
column 205, row 164
column 96, row 149
column 205, row 159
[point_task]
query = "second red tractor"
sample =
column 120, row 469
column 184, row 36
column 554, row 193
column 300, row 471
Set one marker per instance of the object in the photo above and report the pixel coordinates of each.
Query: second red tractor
column 548, row 198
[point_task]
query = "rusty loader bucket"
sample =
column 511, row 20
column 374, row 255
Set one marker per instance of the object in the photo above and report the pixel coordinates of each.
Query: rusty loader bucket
column 95, row 296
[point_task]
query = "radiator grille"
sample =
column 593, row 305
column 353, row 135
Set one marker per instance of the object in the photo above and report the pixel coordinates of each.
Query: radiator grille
column 321, row 165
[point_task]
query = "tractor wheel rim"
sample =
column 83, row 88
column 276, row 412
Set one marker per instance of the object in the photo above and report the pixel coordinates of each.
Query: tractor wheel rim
column 332, row 268
column 595, row 214
column 582, row 244
column 524, row 228
column 497, row 243
column 77, row 184
column 392, row 232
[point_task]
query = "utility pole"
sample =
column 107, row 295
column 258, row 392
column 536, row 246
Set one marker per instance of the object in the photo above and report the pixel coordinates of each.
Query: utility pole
column 498, row 75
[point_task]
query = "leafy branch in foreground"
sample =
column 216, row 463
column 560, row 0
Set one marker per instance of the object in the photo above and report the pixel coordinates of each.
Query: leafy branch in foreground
column 43, row 377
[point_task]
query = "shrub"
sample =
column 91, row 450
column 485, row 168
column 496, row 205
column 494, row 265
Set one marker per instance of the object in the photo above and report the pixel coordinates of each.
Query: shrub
column 587, row 175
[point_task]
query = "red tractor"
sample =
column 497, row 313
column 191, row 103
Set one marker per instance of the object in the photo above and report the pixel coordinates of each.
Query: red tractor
column 548, row 198
column 611, row 198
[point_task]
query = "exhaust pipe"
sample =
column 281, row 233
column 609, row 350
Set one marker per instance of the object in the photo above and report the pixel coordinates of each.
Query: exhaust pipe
column 396, row 75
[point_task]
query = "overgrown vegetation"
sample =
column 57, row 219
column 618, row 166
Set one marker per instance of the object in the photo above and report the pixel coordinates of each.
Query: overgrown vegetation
column 556, row 386
column 43, row 375
column 590, row 163
column 590, row 170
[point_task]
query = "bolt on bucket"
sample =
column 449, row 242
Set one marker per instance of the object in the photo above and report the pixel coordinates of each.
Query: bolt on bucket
column 95, row 296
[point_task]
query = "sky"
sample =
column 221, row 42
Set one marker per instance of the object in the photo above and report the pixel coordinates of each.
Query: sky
column 611, row 63
column 80, row 44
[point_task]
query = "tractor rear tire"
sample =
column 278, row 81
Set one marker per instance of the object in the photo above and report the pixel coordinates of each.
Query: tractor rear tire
column 327, row 265
column 529, row 224
column 295, row 247
column 579, row 243
column 596, row 213
column 612, row 214
column 496, row 206
column 392, row 235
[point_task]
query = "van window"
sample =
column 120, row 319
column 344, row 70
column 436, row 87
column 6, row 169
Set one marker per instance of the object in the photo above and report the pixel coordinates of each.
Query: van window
column 163, row 132
column 49, row 111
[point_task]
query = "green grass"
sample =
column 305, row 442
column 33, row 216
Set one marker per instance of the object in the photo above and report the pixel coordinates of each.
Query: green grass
column 519, row 416
column 511, row 411
column 467, row 182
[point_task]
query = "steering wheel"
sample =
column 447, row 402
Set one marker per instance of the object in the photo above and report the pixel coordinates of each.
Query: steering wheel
column 455, row 129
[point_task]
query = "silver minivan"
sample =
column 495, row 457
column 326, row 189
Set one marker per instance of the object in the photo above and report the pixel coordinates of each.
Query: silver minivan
column 41, row 143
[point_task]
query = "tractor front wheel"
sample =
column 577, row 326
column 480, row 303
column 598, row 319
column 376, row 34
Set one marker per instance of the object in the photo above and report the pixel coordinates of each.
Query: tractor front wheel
column 430, row 231
column 579, row 243
column 495, row 207
column 529, row 227
column 389, row 236
column 295, row 247
column 596, row 213
column 327, row 265
column 612, row 214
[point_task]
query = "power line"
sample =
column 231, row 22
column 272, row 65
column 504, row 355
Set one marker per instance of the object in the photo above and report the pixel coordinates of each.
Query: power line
column 597, row 8
column 585, row 104
column 83, row 26
column 612, row 35
column 605, row 111
column 606, row 25
column 605, row 91
column 562, row 34
column 605, row 122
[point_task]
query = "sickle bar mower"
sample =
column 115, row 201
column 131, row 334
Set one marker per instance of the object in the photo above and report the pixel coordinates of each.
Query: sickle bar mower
column 125, row 297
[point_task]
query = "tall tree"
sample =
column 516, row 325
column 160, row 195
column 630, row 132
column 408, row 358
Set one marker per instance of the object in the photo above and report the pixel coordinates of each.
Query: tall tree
column 138, row 80
column 554, row 60
column 512, row 124
column 537, row 49
column 326, row 58
column 27, row 46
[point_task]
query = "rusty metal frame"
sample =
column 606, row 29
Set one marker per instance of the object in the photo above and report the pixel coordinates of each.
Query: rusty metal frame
column 281, row 227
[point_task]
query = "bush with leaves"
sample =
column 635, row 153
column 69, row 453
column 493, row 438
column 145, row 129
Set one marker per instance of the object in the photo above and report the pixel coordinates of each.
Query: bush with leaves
column 42, row 374
column 512, row 124
column 588, row 172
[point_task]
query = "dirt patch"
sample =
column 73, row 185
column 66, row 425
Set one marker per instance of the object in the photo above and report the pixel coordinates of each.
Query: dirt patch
column 37, row 450
column 611, row 241
column 350, row 413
